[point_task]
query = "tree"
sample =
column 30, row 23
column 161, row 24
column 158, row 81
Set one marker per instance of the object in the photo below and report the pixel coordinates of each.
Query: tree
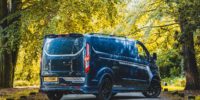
column 3, row 14
column 188, row 20
column 185, row 14
column 9, row 40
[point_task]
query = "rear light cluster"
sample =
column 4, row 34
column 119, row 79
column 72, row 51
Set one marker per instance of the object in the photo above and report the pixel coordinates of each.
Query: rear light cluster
column 87, row 59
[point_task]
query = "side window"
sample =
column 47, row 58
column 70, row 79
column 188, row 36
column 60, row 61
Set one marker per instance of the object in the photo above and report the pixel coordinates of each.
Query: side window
column 132, row 51
column 120, row 49
column 141, row 52
column 105, row 45
column 111, row 46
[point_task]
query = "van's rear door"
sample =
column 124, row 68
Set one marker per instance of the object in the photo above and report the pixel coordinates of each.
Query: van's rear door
column 63, row 56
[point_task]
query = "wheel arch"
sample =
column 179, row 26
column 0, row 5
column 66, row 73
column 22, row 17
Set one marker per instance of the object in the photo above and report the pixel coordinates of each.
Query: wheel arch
column 156, row 78
column 105, row 72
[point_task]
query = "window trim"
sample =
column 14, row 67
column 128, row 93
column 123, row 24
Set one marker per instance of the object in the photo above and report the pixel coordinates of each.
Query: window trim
column 144, row 48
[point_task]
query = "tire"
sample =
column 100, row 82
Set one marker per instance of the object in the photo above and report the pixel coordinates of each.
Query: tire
column 154, row 90
column 54, row 96
column 105, row 90
column 114, row 94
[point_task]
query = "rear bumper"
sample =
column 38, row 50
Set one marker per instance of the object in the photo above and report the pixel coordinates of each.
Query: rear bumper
column 70, row 89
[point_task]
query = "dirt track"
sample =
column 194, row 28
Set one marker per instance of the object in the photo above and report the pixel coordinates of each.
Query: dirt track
column 32, row 94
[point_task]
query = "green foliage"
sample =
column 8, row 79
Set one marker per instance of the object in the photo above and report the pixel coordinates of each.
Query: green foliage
column 174, row 81
column 12, row 33
column 170, row 64
column 51, row 16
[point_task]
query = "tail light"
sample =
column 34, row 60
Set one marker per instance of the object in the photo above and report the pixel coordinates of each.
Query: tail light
column 87, row 59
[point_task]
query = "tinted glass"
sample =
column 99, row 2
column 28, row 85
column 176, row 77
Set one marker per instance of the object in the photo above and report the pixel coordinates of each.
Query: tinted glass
column 104, row 45
column 110, row 46
column 63, row 45
column 132, row 50
column 121, row 49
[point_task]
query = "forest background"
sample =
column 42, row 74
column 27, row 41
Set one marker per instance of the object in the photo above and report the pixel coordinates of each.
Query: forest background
column 169, row 28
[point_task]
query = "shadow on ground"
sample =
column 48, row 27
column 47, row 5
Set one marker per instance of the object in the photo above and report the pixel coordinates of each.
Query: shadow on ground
column 124, row 96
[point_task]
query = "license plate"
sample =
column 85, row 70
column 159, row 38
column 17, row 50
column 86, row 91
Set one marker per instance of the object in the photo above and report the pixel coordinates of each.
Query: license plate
column 50, row 79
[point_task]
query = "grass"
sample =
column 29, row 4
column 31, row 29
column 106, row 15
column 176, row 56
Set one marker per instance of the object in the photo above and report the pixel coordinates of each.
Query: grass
column 16, row 93
column 175, row 81
column 174, row 84
column 173, row 88
column 26, row 83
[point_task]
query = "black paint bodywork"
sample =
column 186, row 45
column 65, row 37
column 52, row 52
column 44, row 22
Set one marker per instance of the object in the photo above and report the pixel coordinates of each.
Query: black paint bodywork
column 113, row 57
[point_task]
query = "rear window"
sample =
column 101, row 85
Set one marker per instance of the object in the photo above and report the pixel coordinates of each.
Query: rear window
column 63, row 45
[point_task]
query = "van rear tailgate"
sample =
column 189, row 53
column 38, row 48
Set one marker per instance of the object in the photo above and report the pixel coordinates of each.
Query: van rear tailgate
column 63, row 56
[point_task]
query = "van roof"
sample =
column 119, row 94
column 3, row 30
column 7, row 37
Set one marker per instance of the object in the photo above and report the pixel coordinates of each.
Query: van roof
column 64, row 35
column 108, row 36
column 90, row 35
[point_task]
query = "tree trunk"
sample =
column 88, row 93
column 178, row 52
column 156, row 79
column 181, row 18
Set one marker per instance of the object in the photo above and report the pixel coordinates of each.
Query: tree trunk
column 190, row 64
column 8, row 54
column 3, row 14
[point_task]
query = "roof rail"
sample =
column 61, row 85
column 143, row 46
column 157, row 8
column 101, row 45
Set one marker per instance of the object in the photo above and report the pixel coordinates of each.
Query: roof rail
column 96, row 33
column 75, row 35
column 91, row 33
column 63, row 35
column 101, row 34
column 50, row 36
column 111, row 35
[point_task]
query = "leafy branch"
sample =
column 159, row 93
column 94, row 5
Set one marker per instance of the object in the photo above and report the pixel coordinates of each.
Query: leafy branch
column 158, row 26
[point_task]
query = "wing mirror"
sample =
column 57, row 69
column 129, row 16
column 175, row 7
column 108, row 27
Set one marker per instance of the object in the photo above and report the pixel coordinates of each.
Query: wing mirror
column 154, row 56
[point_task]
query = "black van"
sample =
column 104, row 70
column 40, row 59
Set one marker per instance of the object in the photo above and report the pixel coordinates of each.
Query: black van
column 97, row 64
